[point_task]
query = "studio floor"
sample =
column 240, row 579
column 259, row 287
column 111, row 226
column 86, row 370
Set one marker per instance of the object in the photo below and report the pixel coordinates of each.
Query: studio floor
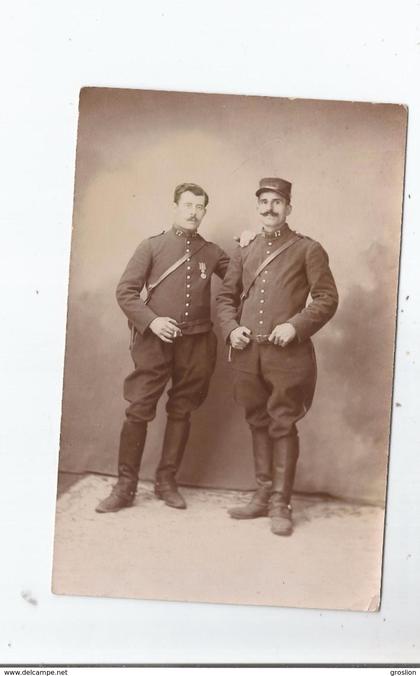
column 150, row 551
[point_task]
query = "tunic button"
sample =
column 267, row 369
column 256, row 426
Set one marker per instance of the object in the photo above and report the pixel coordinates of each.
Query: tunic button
column 187, row 305
column 188, row 242
column 262, row 290
column 188, row 277
column 267, row 252
column 186, row 314
column 262, row 300
column 188, row 286
column 187, row 250
column 270, row 243
column 261, row 312
column 188, row 259
column 188, row 295
column 188, row 267
column 264, row 281
column 261, row 321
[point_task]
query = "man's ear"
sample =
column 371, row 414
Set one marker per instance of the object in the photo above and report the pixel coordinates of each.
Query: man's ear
column 289, row 209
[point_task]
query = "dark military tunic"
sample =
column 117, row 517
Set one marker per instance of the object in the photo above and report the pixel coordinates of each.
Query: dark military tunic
column 276, row 384
column 184, row 296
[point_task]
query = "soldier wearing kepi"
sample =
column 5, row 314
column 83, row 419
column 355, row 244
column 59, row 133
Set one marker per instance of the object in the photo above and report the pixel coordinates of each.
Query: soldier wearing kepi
column 172, row 338
column 265, row 319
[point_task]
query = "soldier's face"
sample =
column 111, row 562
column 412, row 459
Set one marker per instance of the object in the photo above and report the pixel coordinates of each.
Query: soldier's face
column 273, row 209
column 190, row 210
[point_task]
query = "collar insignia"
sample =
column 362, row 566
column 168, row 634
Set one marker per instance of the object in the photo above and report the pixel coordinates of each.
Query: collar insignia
column 180, row 232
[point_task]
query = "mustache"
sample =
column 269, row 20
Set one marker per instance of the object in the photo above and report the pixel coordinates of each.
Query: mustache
column 193, row 219
column 269, row 213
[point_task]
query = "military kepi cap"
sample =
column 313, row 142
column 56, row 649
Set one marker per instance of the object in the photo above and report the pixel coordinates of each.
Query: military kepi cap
column 283, row 188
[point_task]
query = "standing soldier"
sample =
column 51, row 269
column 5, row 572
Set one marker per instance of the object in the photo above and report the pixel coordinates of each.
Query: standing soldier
column 264, row 317
column 172, row 338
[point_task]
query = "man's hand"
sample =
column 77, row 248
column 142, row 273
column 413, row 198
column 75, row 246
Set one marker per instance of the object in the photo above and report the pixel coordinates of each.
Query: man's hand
column 245, row 238
column 282, row 334
column 239, row 338
column 165, row 328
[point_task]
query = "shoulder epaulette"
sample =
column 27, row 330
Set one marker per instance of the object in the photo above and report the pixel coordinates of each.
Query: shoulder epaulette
column 299, row 234
column 157, row 235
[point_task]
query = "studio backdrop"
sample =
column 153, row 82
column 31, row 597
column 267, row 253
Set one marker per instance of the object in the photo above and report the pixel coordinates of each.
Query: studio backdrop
column 346, row 163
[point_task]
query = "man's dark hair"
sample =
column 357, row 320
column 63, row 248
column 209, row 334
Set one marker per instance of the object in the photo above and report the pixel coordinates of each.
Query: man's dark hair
column 190, row 187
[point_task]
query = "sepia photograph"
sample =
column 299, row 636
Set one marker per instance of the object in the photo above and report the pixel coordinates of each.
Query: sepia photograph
column 227, row 398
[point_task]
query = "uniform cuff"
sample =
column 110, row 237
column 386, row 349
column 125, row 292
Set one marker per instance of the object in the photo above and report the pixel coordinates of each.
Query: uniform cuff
column 147, row 317
column 228, row 328
column 300, row 326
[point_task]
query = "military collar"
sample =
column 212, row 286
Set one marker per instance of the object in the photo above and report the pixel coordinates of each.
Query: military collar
column 282, row 230
column 183, row 232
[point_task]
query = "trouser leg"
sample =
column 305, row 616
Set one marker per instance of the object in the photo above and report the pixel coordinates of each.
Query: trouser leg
column 194, row 358
column 132, row 440
column 263, row 456
column 194, row 361
column 289, row 374
column 143, row 388
column 252, row 392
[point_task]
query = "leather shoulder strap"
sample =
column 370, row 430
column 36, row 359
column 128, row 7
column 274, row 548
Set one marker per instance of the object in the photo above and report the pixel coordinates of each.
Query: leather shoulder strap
column 169, row 271
column 266, row 262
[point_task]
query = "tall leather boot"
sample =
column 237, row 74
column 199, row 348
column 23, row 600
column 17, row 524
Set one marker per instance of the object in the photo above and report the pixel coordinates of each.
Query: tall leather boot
column 285, row 456
column 263, row 451
column 132, row 440
column 174, row 442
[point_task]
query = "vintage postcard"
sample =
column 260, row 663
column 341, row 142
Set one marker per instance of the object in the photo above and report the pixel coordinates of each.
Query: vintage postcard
column 230, row 345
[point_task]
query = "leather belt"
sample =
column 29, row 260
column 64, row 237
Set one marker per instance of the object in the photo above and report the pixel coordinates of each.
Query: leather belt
column 261, row 338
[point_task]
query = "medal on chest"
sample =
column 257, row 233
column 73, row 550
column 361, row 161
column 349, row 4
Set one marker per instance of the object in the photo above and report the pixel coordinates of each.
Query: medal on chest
column 203, row 270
